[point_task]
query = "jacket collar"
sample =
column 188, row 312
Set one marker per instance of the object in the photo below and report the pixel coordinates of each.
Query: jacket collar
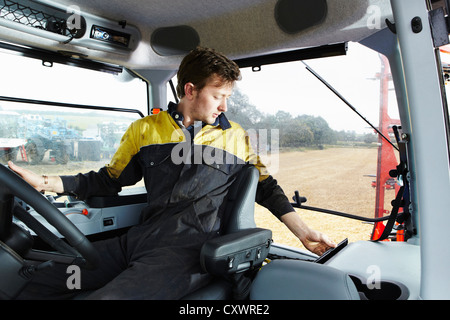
column 221, row 120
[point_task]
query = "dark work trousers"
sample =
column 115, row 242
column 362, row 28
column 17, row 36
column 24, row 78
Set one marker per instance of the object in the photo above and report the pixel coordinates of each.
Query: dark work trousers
column 134, row 266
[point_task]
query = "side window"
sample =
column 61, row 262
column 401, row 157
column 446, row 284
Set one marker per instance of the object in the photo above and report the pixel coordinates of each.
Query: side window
column 62, row 119
column 314, row 143
column 45, row 135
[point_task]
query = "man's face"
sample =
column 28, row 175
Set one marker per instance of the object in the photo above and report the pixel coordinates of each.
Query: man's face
column 211, row 101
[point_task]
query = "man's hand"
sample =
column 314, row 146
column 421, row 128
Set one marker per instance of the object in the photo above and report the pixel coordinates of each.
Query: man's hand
column 317, row 242
column 313, row 240
column 40, row 183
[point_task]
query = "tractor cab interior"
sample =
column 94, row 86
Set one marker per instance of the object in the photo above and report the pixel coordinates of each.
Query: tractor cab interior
column 337, row 100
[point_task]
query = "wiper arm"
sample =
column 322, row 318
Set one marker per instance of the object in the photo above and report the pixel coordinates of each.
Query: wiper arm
column 348, row 103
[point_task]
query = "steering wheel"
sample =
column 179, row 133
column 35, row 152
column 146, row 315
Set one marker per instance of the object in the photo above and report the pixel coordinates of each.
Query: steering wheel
column 12, row 184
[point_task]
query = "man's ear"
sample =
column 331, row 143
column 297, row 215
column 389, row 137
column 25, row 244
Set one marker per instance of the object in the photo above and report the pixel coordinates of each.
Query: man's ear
column 189, row 89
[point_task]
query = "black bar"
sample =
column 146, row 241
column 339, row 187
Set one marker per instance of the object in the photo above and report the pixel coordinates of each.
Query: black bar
column 341, row 214
column 69, row 105
column 348, row 104
column 6, row 204
column 56, row 57
column 174, row 91
column 295, row 55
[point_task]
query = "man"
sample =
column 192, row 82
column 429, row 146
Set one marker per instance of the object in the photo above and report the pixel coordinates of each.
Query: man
column 188, row 156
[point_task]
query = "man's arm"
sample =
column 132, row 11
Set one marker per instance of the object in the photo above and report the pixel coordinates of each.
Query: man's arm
column 313, row 240
column 41, row 183
column 123, row 170
column 81, row 185
column 270, row 195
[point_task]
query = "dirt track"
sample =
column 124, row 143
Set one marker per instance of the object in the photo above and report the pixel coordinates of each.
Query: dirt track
column 335, row 179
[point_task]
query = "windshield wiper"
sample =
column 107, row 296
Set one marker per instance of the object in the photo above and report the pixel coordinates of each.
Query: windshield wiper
column 348, row 103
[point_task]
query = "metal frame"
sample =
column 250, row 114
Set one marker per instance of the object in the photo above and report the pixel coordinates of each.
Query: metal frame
column 428, row 144
column 69, row 105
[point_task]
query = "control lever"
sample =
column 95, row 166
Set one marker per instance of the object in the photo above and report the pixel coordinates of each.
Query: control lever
column 28, row 271
column 297, row 199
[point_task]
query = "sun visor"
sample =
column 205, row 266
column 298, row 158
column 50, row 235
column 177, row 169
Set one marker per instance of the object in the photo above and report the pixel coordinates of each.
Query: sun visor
column 177, row 40
column 293, row 16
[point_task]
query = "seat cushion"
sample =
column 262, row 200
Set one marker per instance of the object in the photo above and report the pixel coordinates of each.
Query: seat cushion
column 302, row 280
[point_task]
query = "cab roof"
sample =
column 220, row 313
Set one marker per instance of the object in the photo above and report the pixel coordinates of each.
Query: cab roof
column 238, row 28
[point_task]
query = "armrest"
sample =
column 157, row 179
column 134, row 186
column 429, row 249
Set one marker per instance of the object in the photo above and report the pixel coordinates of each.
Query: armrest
column 236, row 252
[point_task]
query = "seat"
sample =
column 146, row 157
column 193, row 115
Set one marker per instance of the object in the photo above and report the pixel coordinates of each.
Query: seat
column 240, row 209
column 287, row 279
column 302, row 280
column 240, row 214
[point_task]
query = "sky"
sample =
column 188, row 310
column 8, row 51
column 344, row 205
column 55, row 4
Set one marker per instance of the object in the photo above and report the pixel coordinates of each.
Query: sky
column 292, row 88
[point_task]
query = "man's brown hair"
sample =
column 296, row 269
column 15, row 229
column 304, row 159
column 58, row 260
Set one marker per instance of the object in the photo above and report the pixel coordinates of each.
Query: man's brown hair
column 200, row 64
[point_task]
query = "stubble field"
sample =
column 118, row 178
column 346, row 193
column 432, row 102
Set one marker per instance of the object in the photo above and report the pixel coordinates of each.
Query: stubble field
column 337, row 179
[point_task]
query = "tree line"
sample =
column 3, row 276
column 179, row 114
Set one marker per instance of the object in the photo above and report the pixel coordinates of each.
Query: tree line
column 299, row 131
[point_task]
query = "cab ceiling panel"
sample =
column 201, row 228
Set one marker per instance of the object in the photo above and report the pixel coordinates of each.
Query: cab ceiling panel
column 239, row 28
column 262, row 29
column 243, row 28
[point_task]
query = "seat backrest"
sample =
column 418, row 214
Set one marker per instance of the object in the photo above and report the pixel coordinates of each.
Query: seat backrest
column 240, row 212
column 240, row 208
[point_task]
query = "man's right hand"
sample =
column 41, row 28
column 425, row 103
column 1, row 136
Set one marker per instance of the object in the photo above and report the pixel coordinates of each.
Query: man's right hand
column 39, row 182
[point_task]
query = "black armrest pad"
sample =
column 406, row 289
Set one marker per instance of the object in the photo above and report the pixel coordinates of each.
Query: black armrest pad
column 236, row 252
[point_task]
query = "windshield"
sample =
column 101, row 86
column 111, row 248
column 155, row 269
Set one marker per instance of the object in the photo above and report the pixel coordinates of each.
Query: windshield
column 62, row 119
column 315, row 143
column 29, row 78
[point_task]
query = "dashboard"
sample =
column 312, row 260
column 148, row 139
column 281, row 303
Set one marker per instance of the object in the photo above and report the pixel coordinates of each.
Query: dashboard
column 99, row 214
column 381, row 270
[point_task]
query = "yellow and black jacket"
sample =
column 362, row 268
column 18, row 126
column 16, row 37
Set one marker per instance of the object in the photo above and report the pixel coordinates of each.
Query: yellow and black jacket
column 186, row 173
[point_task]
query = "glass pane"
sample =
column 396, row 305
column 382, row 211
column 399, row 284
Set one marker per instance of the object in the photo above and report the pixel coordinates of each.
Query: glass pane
column 315, row 144
column 28, row 78
column 54, row 140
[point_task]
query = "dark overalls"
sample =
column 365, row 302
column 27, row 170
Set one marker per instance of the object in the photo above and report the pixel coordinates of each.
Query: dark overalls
column 187, row 174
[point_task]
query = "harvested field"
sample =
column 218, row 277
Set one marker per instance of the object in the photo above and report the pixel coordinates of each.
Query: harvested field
column 335, row 179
